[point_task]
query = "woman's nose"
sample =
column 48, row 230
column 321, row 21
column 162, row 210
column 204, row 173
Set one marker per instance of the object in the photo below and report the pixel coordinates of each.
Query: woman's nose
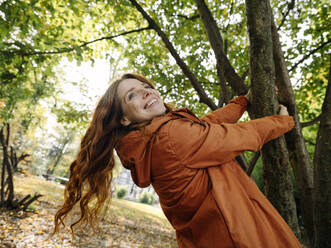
column 146, row 93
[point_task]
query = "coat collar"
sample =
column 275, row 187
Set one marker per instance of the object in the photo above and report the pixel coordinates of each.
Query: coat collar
column 134, row 149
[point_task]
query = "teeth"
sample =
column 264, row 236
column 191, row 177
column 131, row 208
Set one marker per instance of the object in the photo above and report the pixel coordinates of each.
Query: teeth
column 150, row 103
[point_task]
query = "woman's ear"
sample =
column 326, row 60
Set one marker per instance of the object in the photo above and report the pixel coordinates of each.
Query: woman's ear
column 125, row 121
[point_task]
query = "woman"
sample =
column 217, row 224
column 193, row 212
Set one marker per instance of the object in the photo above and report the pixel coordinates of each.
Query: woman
column 204, row 194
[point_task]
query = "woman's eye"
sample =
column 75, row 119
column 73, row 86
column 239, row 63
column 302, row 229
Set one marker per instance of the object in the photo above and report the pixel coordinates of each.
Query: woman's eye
column 131, row 95
column 147, row 86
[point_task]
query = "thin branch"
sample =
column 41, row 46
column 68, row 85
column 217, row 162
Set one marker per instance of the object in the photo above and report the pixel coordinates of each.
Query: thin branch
column 290, row 6
column 252, row 163
column 190, row 18
column 180, row 62
column 223, row 94
column 310, row 53
column 23, row 200
column 22, row 157
column 114, row 36
column 70, row 49
column 229, row 21
column 309, row 142
column 28, row 202
column 186, row 17
column 312, row 122
column 241, row 159
column 244, row 75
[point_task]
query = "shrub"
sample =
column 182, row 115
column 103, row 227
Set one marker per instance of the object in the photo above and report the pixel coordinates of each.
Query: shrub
column 121, row 192
column 146, row 198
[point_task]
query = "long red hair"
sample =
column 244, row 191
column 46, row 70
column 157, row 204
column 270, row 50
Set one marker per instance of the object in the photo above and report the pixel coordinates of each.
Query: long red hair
column 91, row 173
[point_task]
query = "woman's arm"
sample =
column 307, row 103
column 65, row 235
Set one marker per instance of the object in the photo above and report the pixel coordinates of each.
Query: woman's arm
column 199, row 146
column 230, row 113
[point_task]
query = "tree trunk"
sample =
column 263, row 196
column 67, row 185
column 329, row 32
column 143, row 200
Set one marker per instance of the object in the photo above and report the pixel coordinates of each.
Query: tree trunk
column 10, row 175
column 322, row 175
column 299, row 157
column 13, row 159
column 276, row 170
column 3, row 170
column 7, row 194
column 59, row 155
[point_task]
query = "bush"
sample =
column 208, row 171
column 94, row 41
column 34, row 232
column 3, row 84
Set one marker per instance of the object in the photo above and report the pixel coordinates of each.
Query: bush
column 121, row 192
column 146, row 198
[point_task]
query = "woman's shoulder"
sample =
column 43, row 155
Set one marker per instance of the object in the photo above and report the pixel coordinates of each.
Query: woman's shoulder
column 169, row 122
column 162, row 122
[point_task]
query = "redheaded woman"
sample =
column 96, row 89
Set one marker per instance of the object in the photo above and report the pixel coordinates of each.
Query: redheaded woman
column 205, row 195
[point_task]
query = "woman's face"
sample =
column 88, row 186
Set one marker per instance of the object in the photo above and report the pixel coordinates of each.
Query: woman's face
column 139, row 101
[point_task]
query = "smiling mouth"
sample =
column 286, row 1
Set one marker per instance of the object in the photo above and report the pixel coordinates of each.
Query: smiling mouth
column 149, row 103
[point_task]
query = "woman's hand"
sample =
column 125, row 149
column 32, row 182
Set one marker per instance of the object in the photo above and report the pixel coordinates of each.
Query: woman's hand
column 283, row 110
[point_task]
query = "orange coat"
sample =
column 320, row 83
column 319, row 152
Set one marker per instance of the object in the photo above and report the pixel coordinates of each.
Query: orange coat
column 205, row 195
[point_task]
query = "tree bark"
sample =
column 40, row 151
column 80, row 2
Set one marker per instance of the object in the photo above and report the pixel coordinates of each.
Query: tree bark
column 299, row 156
column 322, row 175
column 276, row 170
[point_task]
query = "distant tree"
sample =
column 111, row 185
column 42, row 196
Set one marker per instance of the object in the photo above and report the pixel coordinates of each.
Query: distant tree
column 121, row 192
column 146, row 198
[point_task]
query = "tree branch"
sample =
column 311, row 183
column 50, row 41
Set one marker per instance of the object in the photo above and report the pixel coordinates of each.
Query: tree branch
column 241, row 159
column 245, row 74
column 22, row 157
column 223, row 65
column 252, row 163
column 309, row 142
column 187, row 72
column 190, row 18
column 310, row 53
column 114, row 36
column 290, row 6
column 312, row 122
column 70, row 49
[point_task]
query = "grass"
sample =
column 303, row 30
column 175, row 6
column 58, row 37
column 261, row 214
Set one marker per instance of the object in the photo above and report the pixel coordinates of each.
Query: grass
column 53, row 193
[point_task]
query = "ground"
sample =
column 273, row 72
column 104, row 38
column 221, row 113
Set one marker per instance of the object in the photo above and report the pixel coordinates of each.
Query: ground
column 126, row 224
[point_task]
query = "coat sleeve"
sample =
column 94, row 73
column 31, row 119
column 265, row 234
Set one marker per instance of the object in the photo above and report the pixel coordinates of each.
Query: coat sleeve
column 202, row 146
column 230, row 113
